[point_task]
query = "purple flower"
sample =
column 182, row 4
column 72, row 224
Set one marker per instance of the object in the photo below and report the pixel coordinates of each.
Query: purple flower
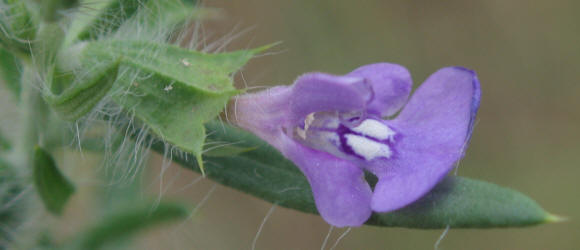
column 333, row 129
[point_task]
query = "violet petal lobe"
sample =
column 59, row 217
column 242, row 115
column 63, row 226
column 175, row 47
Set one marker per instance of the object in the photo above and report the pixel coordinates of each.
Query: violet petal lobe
column 391, row 84
column 268, row 112
column 435, row 126
column 340, row 191
column 317, row 92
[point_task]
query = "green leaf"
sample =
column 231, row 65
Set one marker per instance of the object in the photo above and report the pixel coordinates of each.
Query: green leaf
column 219, row 149
column 86, row 91
column 176, row 90
column 456, row 202
column 142, row 19
column 166, row 14
column 52, row 186
column 465, row 203
column 127, row 222
column 102, row 18
column 210, row 73
column 17, row 26
column 10, row 72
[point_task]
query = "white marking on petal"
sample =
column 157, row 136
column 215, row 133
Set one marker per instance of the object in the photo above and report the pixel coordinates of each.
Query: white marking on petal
column 375, row 129
column 366, row 148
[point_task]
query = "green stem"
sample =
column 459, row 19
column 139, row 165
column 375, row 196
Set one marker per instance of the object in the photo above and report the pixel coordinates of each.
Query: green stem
column 35, row 76
column 30, row 126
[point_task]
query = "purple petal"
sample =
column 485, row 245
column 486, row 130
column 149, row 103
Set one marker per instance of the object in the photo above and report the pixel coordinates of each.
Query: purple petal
column 341, row 194
column 435, row 126
column 265, row 113
column 391, row 84
column 316, row 92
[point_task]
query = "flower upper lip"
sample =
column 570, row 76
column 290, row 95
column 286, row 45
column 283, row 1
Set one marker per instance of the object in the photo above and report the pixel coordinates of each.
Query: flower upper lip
column 409, row 154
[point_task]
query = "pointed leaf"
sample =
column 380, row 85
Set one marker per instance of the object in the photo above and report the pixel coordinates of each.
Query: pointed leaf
column 127, row 222
column 466, row 203
column 457, row 202
column 176, row 116
column 176, row 90
column 52, row 186
column 210, row 73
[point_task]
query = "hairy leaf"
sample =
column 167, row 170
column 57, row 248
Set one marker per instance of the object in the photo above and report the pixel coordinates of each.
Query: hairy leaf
column 127, row 222
column 52, row 186
column 457, row 202
column 175, row 91
column 17, row 26
column 86, row 91
column 137, row 19
column 104, row 18
column 210, row 73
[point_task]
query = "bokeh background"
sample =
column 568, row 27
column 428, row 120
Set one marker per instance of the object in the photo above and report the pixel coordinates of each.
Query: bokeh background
column 527, row 56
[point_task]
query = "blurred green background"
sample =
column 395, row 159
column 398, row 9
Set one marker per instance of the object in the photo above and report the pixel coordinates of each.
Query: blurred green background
column 527, row 56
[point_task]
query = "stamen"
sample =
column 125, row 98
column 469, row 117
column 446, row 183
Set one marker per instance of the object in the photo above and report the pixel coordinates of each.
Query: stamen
column 302, row 132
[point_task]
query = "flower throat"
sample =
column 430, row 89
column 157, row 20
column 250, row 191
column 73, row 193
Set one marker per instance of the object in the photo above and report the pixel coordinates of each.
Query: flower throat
column 347, row 137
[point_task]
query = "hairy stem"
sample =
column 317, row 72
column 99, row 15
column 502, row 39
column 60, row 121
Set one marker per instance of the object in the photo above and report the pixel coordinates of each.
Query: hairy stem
column 31, row 108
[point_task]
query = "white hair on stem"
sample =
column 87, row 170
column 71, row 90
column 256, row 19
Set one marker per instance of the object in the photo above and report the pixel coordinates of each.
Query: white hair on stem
column 441, row 237
column 268, row 214
column 198, row 207
column 344, row 234
column 327, row 237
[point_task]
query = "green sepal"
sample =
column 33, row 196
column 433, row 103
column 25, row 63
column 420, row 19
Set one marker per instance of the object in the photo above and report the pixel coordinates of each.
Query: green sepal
column 456, row 202
column 53, row 188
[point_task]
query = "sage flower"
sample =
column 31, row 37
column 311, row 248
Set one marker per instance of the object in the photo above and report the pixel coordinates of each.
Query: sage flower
column 334, row 128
